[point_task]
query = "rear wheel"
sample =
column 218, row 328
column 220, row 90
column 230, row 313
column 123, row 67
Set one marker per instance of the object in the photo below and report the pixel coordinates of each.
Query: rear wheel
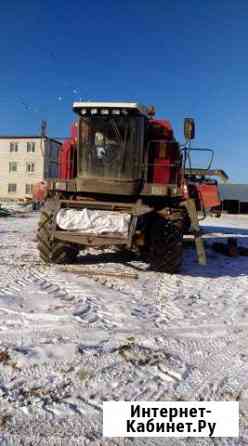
column 51, row 250
column 165, row 249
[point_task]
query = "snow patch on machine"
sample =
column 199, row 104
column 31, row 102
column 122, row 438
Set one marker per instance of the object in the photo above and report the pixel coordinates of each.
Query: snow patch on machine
column 95, row 222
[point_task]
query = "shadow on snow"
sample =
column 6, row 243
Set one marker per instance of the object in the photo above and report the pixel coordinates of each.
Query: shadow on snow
column 218, row 265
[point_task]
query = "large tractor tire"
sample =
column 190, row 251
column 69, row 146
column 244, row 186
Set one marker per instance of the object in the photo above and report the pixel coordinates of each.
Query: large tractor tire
column 165, row 250
column 51, row 250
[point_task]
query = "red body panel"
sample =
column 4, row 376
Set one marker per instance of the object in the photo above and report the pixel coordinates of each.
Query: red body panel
column 164, row 155
column 161, row 129
column 67, row 155
column 209, row 195
column 161, row 171
column 206, row 194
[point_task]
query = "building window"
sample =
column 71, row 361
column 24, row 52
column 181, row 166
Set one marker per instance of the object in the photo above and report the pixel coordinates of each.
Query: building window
column 30, row 167
column 31, row 147
column 28, row 189
column 12, row 166
column 12, row 187
column 13, row 146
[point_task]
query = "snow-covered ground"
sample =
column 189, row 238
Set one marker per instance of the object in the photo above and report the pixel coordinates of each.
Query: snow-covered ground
column 68, row 342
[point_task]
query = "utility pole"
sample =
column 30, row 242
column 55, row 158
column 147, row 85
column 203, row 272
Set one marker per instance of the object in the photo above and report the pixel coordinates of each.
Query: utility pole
column 43, row 129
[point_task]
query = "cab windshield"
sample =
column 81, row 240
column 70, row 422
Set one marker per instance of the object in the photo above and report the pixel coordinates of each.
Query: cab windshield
column 111, row 146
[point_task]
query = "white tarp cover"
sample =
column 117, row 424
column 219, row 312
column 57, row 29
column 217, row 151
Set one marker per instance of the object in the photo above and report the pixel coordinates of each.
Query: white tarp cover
column 93, row 222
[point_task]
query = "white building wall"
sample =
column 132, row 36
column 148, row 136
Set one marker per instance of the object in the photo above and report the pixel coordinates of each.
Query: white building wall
column 45, row 150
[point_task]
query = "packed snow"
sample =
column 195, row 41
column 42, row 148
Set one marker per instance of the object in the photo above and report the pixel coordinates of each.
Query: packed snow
column 69, row 342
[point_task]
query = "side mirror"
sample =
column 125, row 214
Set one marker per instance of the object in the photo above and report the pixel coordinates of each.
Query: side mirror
column 189, row 128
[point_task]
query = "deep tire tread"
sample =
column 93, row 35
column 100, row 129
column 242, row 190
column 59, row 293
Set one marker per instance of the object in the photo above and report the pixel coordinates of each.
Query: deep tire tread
column 165, row 251
column 53, row 251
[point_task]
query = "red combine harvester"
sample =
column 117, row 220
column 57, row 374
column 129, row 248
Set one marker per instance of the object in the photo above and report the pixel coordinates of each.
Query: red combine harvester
column 124, row 180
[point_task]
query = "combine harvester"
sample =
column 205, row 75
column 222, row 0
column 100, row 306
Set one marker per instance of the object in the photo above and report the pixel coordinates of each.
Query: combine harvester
column 125, row 181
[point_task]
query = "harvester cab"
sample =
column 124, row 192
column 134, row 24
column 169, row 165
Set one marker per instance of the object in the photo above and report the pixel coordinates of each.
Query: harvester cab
column 127, row 187
column 110, row 147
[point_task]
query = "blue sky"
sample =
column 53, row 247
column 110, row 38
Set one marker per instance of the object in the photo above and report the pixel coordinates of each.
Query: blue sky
column 188, row 58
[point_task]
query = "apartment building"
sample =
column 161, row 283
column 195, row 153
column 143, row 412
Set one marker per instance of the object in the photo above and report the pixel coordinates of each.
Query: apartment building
column 25, row 160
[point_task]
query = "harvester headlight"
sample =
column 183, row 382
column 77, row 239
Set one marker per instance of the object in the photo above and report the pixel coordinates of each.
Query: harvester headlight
column 83, row 111
column 125, row 112
column 115, row 111
column 104, row 111
column 94, row 111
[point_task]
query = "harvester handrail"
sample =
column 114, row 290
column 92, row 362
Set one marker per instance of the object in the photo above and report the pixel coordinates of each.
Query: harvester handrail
column 201, row 149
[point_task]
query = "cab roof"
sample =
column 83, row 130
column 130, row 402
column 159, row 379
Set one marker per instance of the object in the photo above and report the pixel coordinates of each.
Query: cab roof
column 129, row 106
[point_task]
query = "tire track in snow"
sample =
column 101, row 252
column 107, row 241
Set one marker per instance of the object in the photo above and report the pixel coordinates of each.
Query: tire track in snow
column 171, row 314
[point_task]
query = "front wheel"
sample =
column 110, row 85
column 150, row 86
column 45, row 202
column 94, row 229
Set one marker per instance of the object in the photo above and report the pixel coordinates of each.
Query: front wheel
column 51, row 250
column 165, row 246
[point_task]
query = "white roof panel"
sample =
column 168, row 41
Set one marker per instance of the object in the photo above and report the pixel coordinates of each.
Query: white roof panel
column 126, row 105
